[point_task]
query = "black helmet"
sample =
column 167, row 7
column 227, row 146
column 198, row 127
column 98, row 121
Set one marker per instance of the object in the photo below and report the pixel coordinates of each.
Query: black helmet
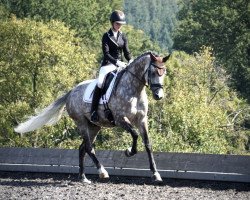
column 117, row 16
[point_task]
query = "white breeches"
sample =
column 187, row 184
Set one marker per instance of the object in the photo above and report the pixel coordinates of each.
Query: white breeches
column 103, row 73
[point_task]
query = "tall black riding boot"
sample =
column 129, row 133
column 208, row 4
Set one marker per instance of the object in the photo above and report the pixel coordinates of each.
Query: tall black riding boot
column 95, row 103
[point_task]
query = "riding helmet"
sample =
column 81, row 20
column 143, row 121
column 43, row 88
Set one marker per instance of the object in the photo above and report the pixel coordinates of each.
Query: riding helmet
column 117, row 16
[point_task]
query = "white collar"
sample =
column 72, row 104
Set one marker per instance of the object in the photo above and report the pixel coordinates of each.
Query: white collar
column 115, row 33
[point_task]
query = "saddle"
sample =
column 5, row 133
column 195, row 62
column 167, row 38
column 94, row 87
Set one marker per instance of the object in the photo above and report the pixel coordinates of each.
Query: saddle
column 109, row 87
column 106, row 91
column 110, row 76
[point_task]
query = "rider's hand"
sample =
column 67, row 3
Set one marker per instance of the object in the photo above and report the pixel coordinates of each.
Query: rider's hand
column 121, row 64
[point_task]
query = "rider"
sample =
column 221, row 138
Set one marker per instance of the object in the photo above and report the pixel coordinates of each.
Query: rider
column 114, row 42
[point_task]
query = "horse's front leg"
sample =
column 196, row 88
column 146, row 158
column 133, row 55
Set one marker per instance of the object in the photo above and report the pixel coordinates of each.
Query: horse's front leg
column 125, row 124
column 144, row 133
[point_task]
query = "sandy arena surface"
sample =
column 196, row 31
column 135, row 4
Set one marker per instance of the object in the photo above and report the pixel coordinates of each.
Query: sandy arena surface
column 20, row 185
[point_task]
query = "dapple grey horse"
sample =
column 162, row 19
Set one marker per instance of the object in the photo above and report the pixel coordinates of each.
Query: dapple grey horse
column 129, row 106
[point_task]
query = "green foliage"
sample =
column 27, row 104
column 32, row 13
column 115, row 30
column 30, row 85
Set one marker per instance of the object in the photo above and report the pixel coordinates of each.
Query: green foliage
column 139, row 42
column 197, row 115
column 156, row 18
column 41, row 58
column 89, row 17
column 38, row 62
column 222, row 25
column 200, row 113
column 4, row 13
column 53, row 45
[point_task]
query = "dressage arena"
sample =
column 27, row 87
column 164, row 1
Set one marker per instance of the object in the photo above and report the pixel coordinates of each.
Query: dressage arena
column 52, row 174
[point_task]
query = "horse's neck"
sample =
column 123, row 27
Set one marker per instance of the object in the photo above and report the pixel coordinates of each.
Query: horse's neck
column 139, row 66
column 134, row 81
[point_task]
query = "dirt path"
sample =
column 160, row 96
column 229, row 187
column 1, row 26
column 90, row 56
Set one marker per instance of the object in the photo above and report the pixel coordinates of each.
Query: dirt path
column 66, row 186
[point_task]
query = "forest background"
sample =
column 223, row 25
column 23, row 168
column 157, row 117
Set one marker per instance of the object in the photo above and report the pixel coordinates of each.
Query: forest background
column 47, row 47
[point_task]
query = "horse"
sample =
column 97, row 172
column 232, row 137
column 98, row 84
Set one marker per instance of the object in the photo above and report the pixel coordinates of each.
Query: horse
column 128, row 104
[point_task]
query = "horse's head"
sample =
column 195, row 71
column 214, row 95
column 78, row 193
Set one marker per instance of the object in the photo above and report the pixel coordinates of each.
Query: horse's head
column 150, row 70
column 155, row 75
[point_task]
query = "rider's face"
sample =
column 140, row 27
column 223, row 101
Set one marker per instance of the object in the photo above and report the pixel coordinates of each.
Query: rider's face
column 117, row 26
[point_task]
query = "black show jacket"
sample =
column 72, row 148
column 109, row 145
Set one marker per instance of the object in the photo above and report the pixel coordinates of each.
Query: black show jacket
column 112, row 48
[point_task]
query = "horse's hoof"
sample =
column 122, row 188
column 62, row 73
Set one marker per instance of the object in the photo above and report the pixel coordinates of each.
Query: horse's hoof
column 86, row 181
column 83, row 179
column 128, row 152
column 157, row 178
column 103, row 174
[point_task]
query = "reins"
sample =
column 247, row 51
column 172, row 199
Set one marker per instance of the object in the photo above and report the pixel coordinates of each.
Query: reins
column 137, row 76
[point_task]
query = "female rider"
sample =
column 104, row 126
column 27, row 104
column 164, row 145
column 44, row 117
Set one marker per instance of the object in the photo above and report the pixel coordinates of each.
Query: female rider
column 114, row 42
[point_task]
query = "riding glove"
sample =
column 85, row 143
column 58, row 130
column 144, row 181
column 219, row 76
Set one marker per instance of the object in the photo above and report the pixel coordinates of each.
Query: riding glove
column 121, row 64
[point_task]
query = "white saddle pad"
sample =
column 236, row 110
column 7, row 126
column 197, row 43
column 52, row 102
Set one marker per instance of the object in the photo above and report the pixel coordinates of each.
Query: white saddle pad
column 88, row 94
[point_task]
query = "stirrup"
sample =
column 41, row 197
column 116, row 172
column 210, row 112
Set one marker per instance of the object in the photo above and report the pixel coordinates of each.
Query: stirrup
column 109, row 115
column 94, row 117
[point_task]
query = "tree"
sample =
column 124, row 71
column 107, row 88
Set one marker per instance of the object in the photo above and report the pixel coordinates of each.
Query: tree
column 222, row 25
column 200, row 112
column 156, row 18
column 139, row 42
column 4, row 13
column 89, row 17
column 41, row 57
column 37, row 63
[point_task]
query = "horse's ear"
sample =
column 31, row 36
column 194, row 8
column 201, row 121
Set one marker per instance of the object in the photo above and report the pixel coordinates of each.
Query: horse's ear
column 166, row 58
column 153, row 57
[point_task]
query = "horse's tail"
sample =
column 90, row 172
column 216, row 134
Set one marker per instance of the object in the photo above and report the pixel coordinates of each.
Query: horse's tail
column 49, row 116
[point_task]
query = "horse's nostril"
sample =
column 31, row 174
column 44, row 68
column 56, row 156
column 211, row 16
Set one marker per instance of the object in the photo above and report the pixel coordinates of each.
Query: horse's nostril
column 158, row 94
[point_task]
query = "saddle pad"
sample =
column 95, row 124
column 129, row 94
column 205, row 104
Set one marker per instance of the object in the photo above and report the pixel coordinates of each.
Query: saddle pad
column 88, row 94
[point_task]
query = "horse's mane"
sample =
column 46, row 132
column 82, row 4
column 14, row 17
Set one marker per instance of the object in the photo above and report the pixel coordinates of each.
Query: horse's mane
column 136, row 60
column 139, row 58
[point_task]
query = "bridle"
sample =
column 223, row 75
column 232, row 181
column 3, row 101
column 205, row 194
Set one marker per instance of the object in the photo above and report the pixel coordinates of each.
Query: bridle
column 160, row 70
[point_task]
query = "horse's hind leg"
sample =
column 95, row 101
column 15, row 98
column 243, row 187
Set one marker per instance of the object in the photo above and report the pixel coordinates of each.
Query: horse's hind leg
column 82, row 153
column 89, row 132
